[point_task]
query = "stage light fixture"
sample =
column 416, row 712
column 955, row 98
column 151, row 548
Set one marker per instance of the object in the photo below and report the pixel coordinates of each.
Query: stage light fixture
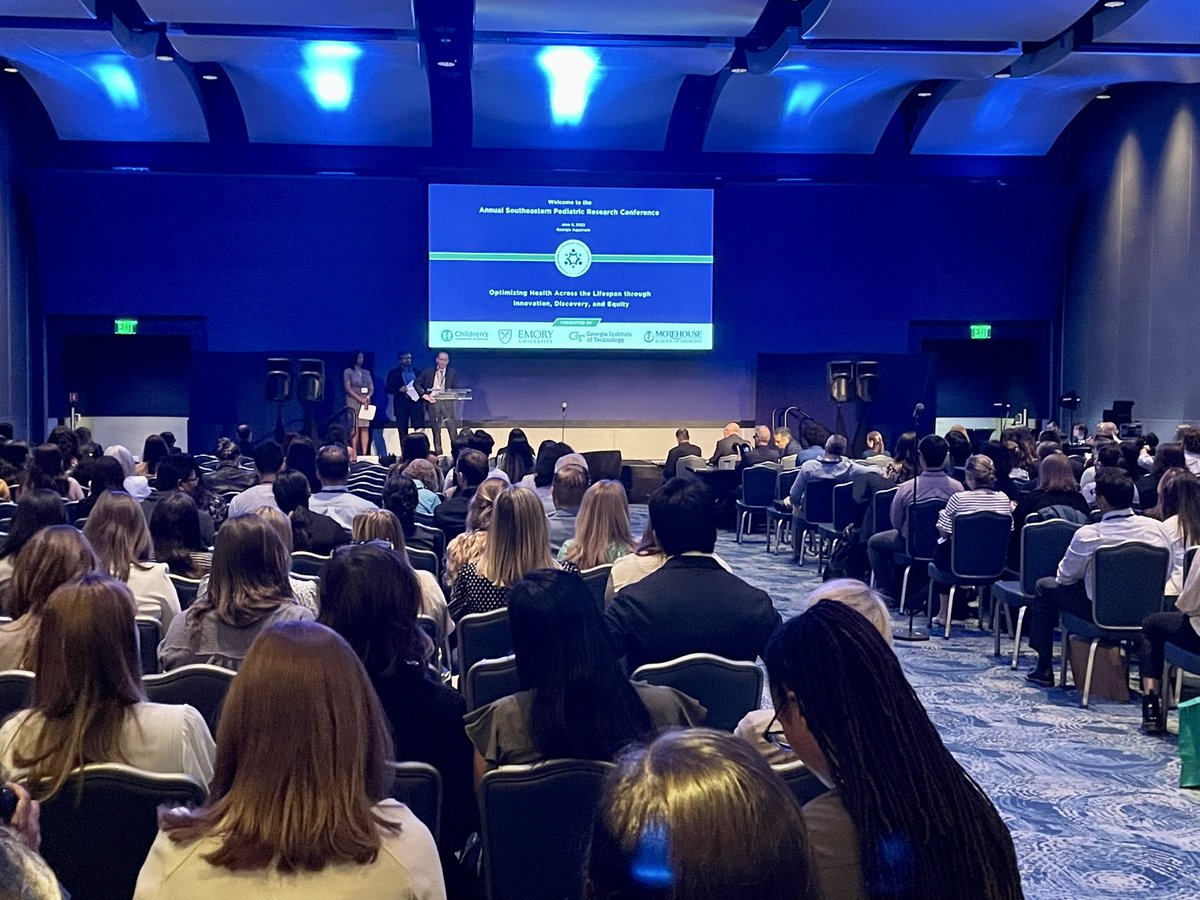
column 571, row 73
column 1003, row 73
column 924, row 94
column 11, row 69
column 328, row 72
column 209, row 76
column 163, row 51
column 1114, row 4
column 1104, row 95
column 739, row 64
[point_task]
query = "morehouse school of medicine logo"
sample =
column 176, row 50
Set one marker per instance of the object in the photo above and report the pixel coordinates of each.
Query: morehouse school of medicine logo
column 573, row 258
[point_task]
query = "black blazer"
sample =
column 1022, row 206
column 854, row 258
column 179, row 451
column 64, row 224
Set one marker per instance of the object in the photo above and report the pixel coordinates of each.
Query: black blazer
column 451, row 514
column 324, row 533
column 676, row 454
column 424, row 382
column 690, row 605
column 727, row 446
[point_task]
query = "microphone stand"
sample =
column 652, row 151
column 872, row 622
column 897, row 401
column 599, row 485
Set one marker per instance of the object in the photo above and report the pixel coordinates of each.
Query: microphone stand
column 562, row 434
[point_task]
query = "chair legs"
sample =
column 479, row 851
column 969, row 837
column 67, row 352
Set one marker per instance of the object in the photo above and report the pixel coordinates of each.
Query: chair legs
column 740, row 524
column 1087, row 678
column 1066, row 654
column 1017, row 635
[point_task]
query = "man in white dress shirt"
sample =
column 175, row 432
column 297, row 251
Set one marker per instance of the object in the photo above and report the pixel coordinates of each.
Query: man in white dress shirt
column 334, row 499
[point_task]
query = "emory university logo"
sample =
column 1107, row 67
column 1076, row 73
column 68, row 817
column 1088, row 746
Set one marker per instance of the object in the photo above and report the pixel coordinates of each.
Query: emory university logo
column 505, row 335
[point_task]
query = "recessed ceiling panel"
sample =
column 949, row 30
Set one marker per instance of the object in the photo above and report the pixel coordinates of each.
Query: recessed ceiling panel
column 1158, row 22
column 709, row 18
column 389, row 14
column 597, row 98
column 322, row 92
column 49, row 9
column 95, row 91
column 946, row 20
column 830, row 101
column 1025, row 116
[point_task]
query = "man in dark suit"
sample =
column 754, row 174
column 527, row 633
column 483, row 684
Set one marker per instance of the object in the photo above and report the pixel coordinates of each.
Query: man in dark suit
column 729, row 443
column 763, row 451
column 785, row 443
column 406, row 410
column 439, row 377
column 470, row 472
column 685, row 448
column 692, row 604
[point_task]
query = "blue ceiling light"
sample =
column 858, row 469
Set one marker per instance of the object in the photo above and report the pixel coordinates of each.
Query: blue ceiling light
column 112, row 75
column 802, row 98
column 571, row 73
column 329, row 72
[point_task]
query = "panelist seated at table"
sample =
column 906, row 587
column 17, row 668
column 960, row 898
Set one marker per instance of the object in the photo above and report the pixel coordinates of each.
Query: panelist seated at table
column 684, row 447
column 729, row 443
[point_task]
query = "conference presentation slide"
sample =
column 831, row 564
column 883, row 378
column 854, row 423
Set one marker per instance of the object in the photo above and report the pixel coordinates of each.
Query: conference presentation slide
column 570, row 268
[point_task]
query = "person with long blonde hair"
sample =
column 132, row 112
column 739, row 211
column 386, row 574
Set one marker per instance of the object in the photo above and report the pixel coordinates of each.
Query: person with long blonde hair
column 382, row 525
column 321, row 825
column 248, row 590
column 88, row 702
column 469, row 546
column 518, row 543
column 602, row 531
column 51, row 557
column 118, row 533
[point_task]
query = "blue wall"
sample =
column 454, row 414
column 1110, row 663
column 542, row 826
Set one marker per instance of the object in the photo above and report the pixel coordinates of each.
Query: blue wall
column 285, row 264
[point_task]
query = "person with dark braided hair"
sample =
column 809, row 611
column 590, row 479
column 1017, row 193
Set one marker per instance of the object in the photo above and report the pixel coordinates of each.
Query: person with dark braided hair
column 902, row 819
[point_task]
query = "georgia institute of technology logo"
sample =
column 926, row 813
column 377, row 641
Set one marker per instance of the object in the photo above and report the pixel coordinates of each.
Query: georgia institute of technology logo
column 573, row 258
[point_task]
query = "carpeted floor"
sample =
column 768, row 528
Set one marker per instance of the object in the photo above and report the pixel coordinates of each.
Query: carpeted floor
column 1094, row 806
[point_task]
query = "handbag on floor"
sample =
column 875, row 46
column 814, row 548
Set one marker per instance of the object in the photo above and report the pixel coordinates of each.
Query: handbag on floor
column 1189, row 743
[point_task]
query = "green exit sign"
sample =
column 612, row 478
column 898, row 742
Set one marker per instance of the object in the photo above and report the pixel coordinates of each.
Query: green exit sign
column 129, row 326
column 981, row 332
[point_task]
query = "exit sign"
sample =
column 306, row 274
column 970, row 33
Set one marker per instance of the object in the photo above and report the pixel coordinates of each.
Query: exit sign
column 978, row 332
column 129, row 326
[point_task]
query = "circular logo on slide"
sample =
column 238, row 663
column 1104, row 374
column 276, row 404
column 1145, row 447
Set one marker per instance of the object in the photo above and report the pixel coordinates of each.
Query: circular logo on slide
column 573, row 258
column 447, row 335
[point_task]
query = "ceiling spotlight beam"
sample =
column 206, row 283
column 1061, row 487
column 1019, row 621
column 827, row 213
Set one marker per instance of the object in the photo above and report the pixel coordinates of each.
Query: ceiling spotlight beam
column 447, row 33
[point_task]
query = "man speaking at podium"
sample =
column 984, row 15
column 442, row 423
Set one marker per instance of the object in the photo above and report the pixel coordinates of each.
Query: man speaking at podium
column 439, row 377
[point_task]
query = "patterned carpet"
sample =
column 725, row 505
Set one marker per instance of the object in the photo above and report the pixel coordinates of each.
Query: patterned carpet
column 1094, row 806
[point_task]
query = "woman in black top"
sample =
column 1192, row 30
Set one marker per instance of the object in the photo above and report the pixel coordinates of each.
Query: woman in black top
column 1167, row 456
column 1056, row 487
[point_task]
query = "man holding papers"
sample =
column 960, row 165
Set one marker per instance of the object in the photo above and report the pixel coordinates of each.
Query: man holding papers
column 406, row 402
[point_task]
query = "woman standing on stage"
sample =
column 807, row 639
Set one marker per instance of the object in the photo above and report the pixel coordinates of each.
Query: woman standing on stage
column 357, row 383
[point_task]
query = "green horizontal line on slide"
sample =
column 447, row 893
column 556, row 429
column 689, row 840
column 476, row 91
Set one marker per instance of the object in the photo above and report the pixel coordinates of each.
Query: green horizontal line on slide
column 444, row 256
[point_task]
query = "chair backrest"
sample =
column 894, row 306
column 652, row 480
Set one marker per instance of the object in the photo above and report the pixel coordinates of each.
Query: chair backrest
column 788, row 462
column 845, row 510
column 436, row 535
column 881, row 506
column 687, row 464
column 97, row 837
column 69, row 509
column 489, row 680
column 784, row 479
column 1130, row 578
column 727, row 688
column 441, row 654
column 483, row 636
column 425, row 560
column 200, row 685
column 1043, row 545
column 541, row 812
column 728, row 461
column 800, row 779
column 150, row 634
column 603, row 464
column 818, row 501
column 979, row 544
column 922, row 529
column 186, row 589
column 418, row 786
column 305, row 562
column 16, row 691
column 596, row 578
column 758, row 484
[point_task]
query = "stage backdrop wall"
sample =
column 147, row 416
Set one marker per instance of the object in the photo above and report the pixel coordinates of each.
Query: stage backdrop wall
column 1133, row 290
column 335, row 263
column 14, row 355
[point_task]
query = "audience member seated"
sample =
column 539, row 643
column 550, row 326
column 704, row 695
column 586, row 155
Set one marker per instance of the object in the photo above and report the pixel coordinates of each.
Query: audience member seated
column 416, row 446
column 813, row 436
column 401, row 497
column 1181, row 518
column 154, row 451
column 931, row 484
column 901, row 467
column 245, row 440
column 570, row 484
column 647, row 558
column 14, row 460
column 305, row 591
column 958, row 447
column 36, row 510
column 764, row 450
column 575, row 702
column 729, row 445
column 372, row 599
column 46, row 472
column 117, row 532
column 23, row 873
column 848, row 712
column 516, row 458
column 179, row 473
column 683, row 447
column 53, row 556
column 1181, row 627
column 517, row 545
column 88, row 703
column 334, row 499
column 175, row 533
column 832, row 466
column 228, row 475
column 1073, row 587
column 980, row 495
column 382, row 526
column 64, row 438
column 107, row 475
column 1057, row 495
column 310, row 531
column 544, row 466
column 696, row 815
column 468, row 547
column 1191, row 449
column 425, row 476
column 135, row 485
column 785, row 443
column 300, row 455
column 320, row 826
column 602, row 531
column 248, row 590
column 875, row 455
column 1002, row 463
column 691, row 604
column 1107, row 456
column 1168, row 456
column 469, row 472
column 268, row 460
